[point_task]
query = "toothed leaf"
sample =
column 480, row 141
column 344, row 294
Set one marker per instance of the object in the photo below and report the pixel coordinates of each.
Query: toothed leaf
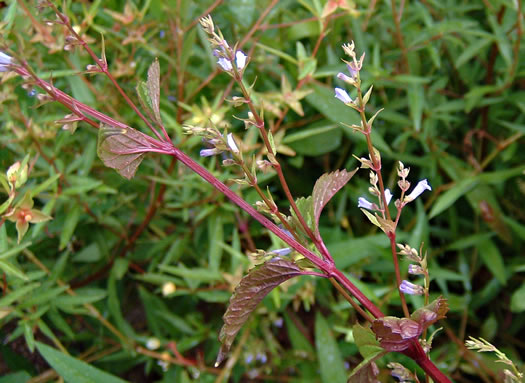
column 247, row 295
column 122, row 149
column 325, row 188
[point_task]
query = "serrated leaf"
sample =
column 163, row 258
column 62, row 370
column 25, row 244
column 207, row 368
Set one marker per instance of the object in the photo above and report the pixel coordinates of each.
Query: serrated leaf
column 74, row 370
column 247, row 295
column 396, row 334
column 325, row 188
column 122, row 149
column 154, row 88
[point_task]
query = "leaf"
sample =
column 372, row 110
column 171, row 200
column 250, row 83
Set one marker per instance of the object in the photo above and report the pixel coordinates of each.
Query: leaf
column 305, row 207
column 74, row 370
column 330, row 360
column 122, row 149
column 451, row 195
column 366, row 341
column 493, row 259
column 325, row 188
column 315, row 140
column 70, row 223
column 430, row 314
column 365, row 372
column 369, row 348
column 247, row 295
column 154, row 88
column 517, row 302
column 396, row 334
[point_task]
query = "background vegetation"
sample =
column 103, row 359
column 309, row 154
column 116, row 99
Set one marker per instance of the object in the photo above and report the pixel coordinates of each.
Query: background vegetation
column 95, row 281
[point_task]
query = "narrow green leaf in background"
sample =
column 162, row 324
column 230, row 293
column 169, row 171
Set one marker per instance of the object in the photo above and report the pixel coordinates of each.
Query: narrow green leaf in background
column 74, row 370
column 330, row 360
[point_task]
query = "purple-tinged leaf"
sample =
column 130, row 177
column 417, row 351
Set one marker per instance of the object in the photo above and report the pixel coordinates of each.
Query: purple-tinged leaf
column 365, row 372
column 154, row 88
column 122, row 149
column 396, row 334
column 325, row 188
column 369, row 348
column 430, row 314
column 247, row 295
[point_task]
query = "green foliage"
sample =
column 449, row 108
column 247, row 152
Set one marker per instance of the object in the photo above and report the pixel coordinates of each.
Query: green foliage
column 122, row 262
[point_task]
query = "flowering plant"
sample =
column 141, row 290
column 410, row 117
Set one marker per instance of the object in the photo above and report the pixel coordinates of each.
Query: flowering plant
column 300, row 249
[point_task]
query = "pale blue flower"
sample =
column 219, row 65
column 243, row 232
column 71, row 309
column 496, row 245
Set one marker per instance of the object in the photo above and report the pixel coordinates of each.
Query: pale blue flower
column 209, row 152
column 388, row 196
column 410, row 288
column 416, row 192
column 364, row 203
column 5, row 60
column 240, row 59
column 231, row 143
column 225, row 64
column 341, row 95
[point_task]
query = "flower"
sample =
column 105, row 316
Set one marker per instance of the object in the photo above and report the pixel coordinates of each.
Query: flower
column 415, row 269
column 24, row 214
column 231, row 143
column 209, row 152
column 240, row 59
column 363, row 202
column 416, row 192
column 5, row 61
column 411, row 288
column 283, row 251
column 168, row 288
column 225, row 64
column 343, row 77
column 152, row 344
column 341, row 95
column 388, row 196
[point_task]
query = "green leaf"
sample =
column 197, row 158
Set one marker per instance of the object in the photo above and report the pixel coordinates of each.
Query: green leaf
column 517, row 302
column 450, row 196
column 366, row 341
column 16, row 377
column 316, row 140
column 416, row 101
column 330, row 360
column 70, row 224
column 493, row 259
column 325, row 188
column 122, row 149
column 17, row 293
column 11, row 269
column 73, row 370
column 14, row 251
column 247, row 295
column 82, row 296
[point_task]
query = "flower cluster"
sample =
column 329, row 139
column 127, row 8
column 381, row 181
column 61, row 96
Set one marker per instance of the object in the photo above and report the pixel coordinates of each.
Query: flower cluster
column 419, row 268
column 222, row 50
column 403, row 184
column 217, row 142
column 354, row 67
